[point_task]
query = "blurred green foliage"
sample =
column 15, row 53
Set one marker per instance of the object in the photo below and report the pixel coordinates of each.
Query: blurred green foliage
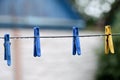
column 116, row 21
column 109, row 65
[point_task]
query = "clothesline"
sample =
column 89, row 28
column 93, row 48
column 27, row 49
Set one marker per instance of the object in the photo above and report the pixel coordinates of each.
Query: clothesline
column 94, row 35
column 75, row 43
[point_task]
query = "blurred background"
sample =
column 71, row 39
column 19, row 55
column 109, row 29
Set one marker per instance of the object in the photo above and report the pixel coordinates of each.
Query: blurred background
column 56, row 18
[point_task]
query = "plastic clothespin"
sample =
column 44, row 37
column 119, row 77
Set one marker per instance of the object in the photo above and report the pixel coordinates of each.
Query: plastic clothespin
column 108, row 40
column 7, row 54
column 37, row 50
column 76, row 42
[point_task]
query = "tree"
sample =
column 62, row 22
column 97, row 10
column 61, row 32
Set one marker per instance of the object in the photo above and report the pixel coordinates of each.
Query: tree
column 109, row 65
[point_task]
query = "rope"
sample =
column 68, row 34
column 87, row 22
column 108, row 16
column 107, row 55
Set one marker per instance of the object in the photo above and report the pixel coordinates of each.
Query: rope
column 94, row 35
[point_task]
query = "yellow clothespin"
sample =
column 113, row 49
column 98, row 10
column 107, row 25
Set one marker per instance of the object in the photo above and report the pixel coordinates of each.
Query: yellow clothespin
column 108, row 40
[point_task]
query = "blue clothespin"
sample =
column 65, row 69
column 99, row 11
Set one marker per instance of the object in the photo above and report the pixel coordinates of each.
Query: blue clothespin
column 37, row 50
column 76, row 42
column 7, row 54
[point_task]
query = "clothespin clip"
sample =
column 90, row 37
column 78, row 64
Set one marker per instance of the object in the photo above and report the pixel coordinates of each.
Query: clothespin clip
column 76, row 42
column 7, row 54
column 37, row 50
column 108, row 40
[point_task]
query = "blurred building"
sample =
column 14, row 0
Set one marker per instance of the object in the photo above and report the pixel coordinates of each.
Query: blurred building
column 45, row 13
